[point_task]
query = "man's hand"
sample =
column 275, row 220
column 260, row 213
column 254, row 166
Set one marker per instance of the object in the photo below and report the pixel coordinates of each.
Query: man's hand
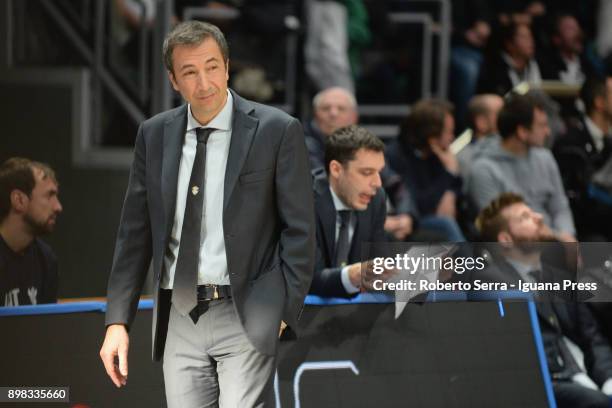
column 368, row 277
column 354, row 273
column 448, row 159
column 116, row 344
column 447, row 206
column 399, row 225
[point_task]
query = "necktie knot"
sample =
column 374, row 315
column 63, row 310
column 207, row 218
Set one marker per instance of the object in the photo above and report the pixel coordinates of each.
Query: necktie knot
column 202, row 134
column 345, row 217
column 535, row 275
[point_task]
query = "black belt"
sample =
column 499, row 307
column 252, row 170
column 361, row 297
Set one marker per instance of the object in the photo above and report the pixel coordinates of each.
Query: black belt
column 214, row 292
column 207, row 293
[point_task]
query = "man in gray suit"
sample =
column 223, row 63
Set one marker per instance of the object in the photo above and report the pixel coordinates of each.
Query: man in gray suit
column 229, row 268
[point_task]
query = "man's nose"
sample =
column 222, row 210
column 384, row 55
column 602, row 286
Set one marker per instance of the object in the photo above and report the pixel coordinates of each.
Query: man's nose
column 203, row 82
column 376, row 181
column 58, row 206
column 538, row 217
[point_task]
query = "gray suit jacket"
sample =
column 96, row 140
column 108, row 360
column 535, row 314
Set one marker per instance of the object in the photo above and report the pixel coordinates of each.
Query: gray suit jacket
column 268, row 221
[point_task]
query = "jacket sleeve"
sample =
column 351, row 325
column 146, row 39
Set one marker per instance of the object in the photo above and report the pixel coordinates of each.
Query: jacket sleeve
column 327, row 282
column 133, row 246
column 596, row 348
column 295, row 205
column 561, row 214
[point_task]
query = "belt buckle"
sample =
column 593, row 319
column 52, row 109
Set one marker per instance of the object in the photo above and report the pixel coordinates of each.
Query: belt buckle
column 216, row 292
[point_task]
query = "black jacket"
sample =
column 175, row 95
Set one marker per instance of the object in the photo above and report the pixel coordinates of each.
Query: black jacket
column 578, row 158
column 564, row 317
column 369, row 228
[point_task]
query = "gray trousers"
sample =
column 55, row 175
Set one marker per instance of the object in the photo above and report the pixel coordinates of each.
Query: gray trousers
column 213, row 364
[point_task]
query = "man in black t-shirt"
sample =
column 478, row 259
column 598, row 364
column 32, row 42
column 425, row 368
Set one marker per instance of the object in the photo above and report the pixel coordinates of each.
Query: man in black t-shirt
column 29, row 206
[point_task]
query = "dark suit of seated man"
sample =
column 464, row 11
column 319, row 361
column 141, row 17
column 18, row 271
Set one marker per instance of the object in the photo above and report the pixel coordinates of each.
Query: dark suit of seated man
column 350, row 209
column 520, row 231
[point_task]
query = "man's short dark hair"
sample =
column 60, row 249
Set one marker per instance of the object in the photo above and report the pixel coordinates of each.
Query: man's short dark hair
column 345, row 142
column 518, row 111
column 555, row 22
column 426, row 120
column 594, row 87
column 508, row 32
column 17, row 173
column 477, row 107
column 193, row 33
column 490, row 221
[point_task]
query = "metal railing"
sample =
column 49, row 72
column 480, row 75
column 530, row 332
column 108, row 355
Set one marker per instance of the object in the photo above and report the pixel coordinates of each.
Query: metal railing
column 432, row 28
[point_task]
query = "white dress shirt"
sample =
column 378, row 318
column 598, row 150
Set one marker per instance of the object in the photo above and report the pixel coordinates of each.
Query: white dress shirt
column 212, row 266
column 596, row 134
column 340, row 206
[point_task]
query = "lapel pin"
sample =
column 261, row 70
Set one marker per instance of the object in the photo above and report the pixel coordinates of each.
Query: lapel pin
column 195, row 190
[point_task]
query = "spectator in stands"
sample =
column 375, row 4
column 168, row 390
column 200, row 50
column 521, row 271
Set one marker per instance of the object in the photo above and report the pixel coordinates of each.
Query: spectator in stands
column 471, row 32
column 29, row 207
column 566, row 60
column 509, row 220
column 520, row 11
column 430, row 171
column 514, row 64
column 327, row 44
column 521, row 165
column 588, row 143
column 584, row 150
column 335, row 108
column 350, row 210
column 483, row 111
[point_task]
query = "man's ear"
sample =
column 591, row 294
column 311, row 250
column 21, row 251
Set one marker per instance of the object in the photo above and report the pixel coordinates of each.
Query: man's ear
column 172, row 80
column 599, row 103
column 227, row 70
column 504, row 238
column 19, row 200
column 335, row 168
column 522, row 133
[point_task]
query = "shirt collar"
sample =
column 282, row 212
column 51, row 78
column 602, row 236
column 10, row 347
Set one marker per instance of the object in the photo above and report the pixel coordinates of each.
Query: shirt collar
column 593, row 129
column 223, row 120
column 523, row 269
column 338, row 203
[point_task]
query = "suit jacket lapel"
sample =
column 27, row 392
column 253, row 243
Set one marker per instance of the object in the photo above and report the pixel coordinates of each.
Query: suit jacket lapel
column 544, row 308
column 326, row 214
column 173, row 138
column 243, row 131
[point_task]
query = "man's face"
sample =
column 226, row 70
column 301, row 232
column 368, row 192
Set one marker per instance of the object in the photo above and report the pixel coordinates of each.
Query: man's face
column 540, row 130
column 200, row 75
column 608, row 99
column 448, row 133
column 485, row 123
column 357, row 182
column 496, row 103
column 525, row 225
column 570, row 38
column 522, row 43
column 334, row 111
column 43, row 205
